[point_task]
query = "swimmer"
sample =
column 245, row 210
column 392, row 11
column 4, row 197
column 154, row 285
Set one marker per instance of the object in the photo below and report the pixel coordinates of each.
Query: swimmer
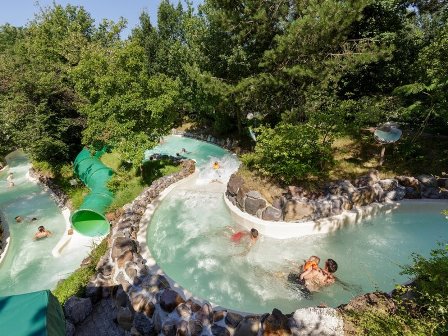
column 311, row 264
column 237, row 237
column 42, row 233
column 216, row 165
column 18, row 219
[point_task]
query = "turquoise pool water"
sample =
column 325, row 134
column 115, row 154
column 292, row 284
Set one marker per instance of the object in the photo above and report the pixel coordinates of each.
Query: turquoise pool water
column 188, row 239
column 29, row 265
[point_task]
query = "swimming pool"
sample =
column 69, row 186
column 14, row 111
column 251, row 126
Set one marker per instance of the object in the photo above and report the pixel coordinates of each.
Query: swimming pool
column 29, row 265
column 188, row 239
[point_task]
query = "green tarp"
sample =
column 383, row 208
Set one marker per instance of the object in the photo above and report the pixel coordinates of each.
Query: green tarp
column 32, row 314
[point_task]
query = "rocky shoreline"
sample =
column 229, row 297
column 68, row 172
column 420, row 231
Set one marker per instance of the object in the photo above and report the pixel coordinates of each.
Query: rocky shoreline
column 57, row 194
column 299, row 205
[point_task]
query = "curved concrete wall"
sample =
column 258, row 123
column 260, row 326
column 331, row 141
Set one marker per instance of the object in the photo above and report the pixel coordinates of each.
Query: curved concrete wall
column 284, row 230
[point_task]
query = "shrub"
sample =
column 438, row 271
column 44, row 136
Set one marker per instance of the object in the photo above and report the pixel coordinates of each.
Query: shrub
column 431, row 286
column 289, row 152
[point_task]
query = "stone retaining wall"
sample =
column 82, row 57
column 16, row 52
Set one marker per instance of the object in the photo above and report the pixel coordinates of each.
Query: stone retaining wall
column 298, row 205
column 144, row 303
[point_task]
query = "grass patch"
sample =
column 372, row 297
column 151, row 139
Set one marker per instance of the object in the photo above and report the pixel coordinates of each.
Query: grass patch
column 75, row 284
column 379, row 323
column 128, row 183
column 62, row 176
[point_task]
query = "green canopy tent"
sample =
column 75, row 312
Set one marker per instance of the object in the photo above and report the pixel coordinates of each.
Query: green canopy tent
column 32, row 314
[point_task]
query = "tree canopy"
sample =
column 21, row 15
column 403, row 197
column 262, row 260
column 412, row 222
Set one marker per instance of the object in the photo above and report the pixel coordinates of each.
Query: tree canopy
column 330, row 66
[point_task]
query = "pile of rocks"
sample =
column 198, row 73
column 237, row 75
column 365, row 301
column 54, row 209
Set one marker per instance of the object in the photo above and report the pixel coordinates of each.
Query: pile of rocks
column 296, row 204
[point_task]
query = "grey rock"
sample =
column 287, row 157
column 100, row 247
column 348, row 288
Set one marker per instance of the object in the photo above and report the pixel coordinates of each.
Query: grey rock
column 233, row 319
column 131, row 271
column 77, row 309
column 169, row 328
column 388, row 184
column 93, row 292
column 442, row 182
column 121, row 245
column 396, row 195
column 218, row 315
column 195, row 327
column 272, row 214
column 297, row 210
column 219, row 331
column 182, row 328
column 69, row 328
column 125, row 318
column 170, row 300
column 412, row 193
column 121, row 298
column 184, row 311
column 249, row 326
column 234, row 184
column 430, row 192
column 427, row 180
column 276, row 324
column 316, row 321
column 279, row 202
column 143, row 324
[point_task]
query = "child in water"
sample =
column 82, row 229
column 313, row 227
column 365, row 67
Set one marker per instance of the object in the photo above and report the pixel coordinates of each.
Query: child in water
column 311, row 264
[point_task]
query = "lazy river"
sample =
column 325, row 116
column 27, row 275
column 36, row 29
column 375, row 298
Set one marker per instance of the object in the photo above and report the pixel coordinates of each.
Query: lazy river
column 187, row 236
column 29, row 265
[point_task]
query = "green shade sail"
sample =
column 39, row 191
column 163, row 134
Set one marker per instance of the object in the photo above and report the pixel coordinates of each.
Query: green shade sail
column 89, row 219
column 32, row 314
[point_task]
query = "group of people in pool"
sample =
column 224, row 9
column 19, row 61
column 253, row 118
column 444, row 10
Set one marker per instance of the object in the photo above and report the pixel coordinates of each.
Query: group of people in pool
column 42, row 232
column 309, row 276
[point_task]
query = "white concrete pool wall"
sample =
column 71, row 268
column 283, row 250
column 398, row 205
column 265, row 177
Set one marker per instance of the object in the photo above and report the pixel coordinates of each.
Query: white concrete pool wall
column 285, row 230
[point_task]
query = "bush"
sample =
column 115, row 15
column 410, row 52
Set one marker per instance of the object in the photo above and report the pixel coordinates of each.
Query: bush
column 289, row 152
column 75, row 284
column 431, row 286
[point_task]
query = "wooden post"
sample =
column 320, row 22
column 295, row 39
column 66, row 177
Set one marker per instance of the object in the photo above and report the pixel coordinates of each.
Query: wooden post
column 383, row 150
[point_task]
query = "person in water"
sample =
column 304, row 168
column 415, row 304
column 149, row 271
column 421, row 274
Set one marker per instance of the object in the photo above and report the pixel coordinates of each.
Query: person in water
column 311, row 264
column 216, row 168
column 18, row 219
column 238, row 236
column 42, row 233
column 316, row 279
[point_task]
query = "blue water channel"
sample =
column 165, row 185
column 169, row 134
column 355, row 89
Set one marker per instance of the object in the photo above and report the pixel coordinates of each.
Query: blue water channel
column 29, row 264
column 188, row 238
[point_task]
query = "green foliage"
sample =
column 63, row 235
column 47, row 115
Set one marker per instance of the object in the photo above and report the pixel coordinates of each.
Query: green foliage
column 431, row 287
column 128, row 182
column 37, row 101
column 126, row 108
column 75, row 284
column 379, row 323
column 289, row 152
